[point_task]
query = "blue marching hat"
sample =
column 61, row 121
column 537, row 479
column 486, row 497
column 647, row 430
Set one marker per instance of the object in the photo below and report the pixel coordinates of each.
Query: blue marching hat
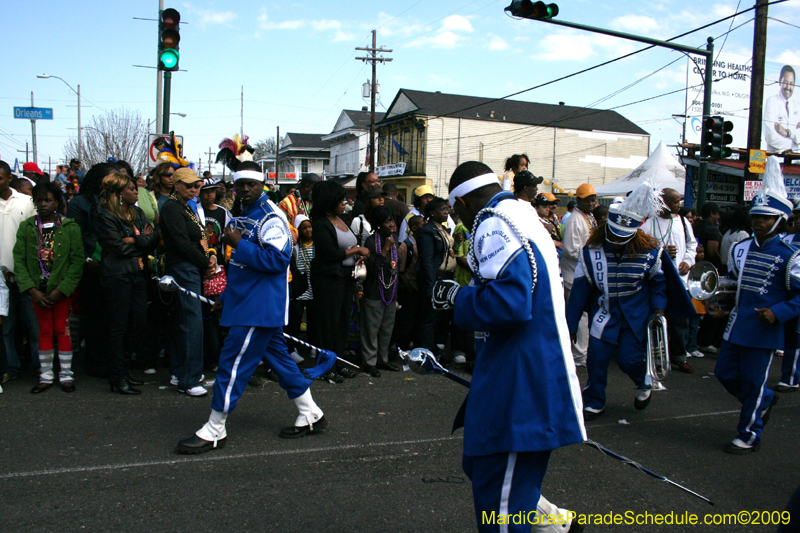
column 771, row 199
column 625, row 217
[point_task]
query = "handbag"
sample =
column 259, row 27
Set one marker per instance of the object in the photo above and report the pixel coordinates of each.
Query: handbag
column 214, row 285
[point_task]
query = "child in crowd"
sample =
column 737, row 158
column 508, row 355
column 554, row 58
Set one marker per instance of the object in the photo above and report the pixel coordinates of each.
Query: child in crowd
column 406, row 319
column 300, row 288
column 48, row 263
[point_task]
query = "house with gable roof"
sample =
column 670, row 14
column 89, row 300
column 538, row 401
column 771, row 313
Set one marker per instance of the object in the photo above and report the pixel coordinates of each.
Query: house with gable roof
column 424, row 136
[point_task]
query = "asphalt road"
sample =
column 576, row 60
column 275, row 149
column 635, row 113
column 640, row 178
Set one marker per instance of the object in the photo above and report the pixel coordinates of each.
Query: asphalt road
column 97, row 461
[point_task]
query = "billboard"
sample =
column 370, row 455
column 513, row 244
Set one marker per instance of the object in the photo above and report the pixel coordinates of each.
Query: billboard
column 731, row 99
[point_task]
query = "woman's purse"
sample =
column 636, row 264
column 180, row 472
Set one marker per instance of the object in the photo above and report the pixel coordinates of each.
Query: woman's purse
column 214, row 285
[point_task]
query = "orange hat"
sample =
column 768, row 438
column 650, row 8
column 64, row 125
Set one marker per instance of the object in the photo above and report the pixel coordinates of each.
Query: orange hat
column 550, row 197
column 585, row 190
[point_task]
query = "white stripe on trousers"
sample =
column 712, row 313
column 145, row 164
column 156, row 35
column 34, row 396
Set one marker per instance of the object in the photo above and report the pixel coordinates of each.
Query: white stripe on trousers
column 506, row 492
column 228, row 391
column 758, row 402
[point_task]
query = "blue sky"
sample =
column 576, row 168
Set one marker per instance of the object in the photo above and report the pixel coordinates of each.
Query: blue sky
column 296, row 60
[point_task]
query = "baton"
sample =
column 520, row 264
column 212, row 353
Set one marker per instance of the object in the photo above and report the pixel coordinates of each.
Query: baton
column 168, row 284
column 423, row 361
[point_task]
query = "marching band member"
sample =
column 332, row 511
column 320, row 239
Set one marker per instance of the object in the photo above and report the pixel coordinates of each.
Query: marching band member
column 768, row 296
column 621, row 281
column 524, row 400
column 255, row 307
column 674, row 233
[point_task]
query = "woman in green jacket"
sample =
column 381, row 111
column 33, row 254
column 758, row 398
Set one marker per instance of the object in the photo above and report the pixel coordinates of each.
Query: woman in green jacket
column 48, row 263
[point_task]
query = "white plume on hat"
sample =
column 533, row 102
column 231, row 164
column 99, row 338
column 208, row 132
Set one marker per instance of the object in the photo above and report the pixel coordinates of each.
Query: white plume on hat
column 645, row 201
column 771, row 198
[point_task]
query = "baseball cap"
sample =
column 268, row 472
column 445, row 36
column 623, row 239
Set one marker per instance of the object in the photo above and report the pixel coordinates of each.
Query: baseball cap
column 422, row 190
column 541, row 199
column 186, row 175
column 211, row 183
column 374, row 191
column 309, row 177
column 32, row 167
column 526, row 177
column 585, row 190
column 551, row 197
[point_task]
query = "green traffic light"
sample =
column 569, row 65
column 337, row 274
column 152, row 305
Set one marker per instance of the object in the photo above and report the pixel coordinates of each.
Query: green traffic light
column 169, row 58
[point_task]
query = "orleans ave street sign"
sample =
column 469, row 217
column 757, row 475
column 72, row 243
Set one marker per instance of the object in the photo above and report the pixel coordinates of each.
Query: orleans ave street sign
column 34, row 113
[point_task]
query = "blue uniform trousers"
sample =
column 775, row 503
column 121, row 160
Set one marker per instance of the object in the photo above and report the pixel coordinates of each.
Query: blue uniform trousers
column 244, row 348
column 790, row 369
column 743, row 372
column 506, row 489
column 630, row 359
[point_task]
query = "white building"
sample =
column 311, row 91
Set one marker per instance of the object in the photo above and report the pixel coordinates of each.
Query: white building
column 349, row 143
column 432, row 133
column 301, row 153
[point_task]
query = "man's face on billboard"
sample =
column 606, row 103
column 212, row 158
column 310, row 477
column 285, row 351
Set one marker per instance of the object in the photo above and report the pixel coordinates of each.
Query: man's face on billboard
column 787, row 85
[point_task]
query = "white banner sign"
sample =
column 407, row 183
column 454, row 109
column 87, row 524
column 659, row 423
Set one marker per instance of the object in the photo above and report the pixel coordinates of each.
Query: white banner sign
column 395, row 169
column 792, row 188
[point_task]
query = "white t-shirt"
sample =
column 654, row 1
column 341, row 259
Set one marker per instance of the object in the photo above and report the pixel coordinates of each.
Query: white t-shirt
column 13, row 211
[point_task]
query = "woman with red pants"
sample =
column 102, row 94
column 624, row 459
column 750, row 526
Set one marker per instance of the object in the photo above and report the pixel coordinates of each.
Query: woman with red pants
column 48, row 263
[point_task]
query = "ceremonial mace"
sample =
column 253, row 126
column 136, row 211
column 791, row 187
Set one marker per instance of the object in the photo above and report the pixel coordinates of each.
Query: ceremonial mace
column 423, row 361
column 325, row 359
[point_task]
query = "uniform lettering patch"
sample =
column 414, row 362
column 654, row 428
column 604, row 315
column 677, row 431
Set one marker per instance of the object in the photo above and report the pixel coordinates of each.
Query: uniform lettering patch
column 495, row 243
column 273, row 232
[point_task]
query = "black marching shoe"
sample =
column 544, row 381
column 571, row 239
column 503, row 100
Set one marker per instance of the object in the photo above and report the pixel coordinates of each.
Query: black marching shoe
column 592, row 415
column 372, row 371
column 295, row 432
column 195, row 445
column 123, row 387
column 131, row 381
column 391, row 367
column 41, row 387
column 737, row 447
column 641, row 405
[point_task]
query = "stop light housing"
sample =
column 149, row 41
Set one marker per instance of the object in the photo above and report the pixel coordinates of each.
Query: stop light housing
column 532, row 10
column 716, row 138
column 169, row 38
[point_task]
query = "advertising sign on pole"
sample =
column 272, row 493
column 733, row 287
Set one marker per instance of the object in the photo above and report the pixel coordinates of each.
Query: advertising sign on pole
column 758, row 161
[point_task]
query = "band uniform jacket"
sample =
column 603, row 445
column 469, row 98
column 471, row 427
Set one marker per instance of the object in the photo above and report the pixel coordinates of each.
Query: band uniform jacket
column 768, row 276
column 525, row 394
column 258, row 273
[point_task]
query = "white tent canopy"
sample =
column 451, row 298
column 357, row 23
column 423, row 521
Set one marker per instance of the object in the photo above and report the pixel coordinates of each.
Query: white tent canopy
column 660, row 168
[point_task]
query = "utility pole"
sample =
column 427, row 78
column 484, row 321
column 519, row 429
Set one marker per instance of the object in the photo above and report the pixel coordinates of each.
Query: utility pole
column 25, row 150
column 209, row 154
column 80, row 142
column 277, row 149
column 374, row 59
column 159, row 79
column 241, row 128
column 757, row 82
column 33, row 131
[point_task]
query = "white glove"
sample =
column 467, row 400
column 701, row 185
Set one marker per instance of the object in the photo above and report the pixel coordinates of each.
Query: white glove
column 444, row 294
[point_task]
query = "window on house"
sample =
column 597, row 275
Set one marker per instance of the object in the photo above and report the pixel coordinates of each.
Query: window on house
column 304, row 166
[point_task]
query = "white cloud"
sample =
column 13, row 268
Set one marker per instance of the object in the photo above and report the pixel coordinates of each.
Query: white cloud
column 565, row 47
column 635, row 23
column 497, row 43
column 208, row 17
column 456, row 23
column 574, row 46
column 322, row 25
column 340, row 36
column 789, row 57
column 521, row 38
column 265, row 24
column 446, row 36
column 392, row 26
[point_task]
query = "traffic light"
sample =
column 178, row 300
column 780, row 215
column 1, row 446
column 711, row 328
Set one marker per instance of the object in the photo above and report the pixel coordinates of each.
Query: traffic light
column 716, row 138
column 168, row 39
column 532, row 10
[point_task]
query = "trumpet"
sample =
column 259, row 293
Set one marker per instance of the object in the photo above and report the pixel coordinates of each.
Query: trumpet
column 705, row 283
column 658, row 364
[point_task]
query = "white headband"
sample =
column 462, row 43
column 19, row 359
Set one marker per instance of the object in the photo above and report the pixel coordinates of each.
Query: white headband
column 248, row 175
column 471, row 185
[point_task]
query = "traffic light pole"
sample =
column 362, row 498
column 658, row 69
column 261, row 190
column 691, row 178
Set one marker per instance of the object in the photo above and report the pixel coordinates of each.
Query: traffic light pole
column 708, row 53
column 702, row 179
column 167, row 87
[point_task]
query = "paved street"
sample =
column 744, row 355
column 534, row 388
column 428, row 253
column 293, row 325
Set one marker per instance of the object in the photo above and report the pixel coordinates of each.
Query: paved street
column 96, row 461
